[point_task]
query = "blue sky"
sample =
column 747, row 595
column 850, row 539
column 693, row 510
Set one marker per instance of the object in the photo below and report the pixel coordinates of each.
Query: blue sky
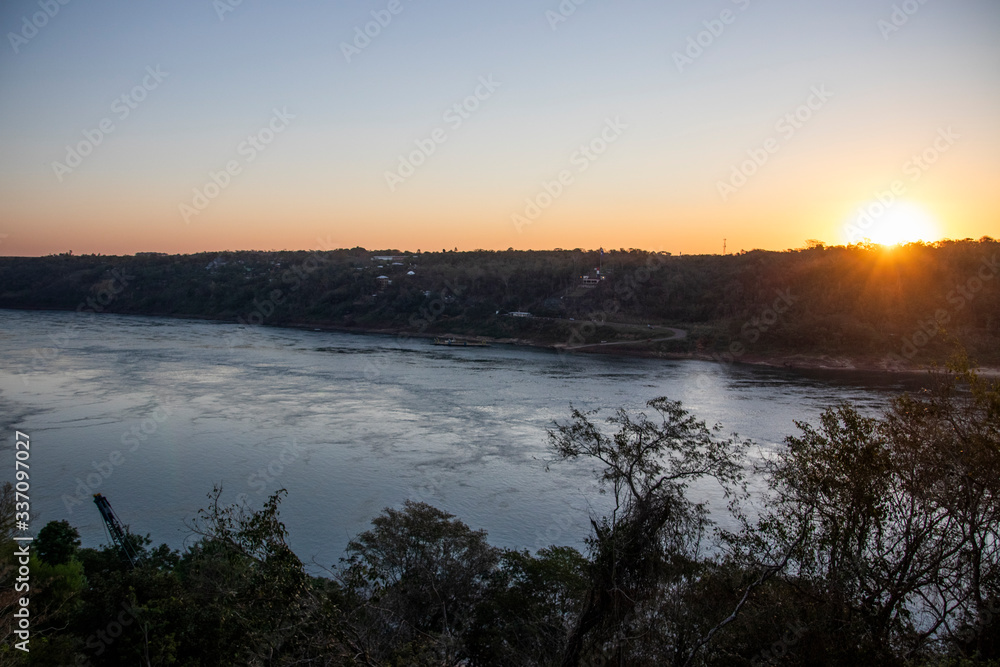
column 324, row 176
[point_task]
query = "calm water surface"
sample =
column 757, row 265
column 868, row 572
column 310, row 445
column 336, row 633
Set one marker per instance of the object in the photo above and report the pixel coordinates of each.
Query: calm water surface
column 154, row 412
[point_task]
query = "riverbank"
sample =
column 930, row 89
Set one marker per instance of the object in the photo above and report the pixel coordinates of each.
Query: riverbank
column 640, row 348
column 837, row 308
column 635, row 349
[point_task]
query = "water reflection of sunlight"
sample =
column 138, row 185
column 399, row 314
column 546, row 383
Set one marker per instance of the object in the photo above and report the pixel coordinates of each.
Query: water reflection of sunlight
column 466, row 433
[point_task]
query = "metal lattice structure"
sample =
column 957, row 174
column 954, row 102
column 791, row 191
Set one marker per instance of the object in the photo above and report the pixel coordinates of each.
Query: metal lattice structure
column 126, row 550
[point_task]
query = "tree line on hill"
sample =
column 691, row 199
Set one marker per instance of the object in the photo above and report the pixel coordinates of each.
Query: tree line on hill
column 871, row 541
column 900, row 305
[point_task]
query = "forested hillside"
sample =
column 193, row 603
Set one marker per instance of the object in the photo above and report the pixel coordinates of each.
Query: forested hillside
column 870, row 304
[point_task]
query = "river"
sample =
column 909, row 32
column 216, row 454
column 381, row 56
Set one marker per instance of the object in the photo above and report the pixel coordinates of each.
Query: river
column 152, row 412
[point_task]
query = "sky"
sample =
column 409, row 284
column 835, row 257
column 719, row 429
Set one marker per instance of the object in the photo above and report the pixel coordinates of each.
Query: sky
column 534, row 124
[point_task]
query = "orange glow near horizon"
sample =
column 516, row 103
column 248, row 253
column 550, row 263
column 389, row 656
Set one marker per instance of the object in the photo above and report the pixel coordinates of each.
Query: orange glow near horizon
column 684, row 230
column 779, row 211
column 482, row 125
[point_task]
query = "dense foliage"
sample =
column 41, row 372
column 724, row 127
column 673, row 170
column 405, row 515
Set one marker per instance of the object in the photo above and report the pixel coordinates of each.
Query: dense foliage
column 889, row 306
column 871, row 541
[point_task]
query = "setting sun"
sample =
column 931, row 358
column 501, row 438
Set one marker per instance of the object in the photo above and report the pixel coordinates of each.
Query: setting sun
column 905, row 222
column 901, row 222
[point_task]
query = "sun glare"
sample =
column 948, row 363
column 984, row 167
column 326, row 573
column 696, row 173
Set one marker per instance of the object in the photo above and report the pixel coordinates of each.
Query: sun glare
column 903, row 222
column 900, row 222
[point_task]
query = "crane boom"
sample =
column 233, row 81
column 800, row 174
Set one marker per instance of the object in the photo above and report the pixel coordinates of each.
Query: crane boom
column 126, row 550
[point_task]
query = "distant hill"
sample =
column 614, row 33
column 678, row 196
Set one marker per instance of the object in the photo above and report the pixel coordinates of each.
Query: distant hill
column 856, row 304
